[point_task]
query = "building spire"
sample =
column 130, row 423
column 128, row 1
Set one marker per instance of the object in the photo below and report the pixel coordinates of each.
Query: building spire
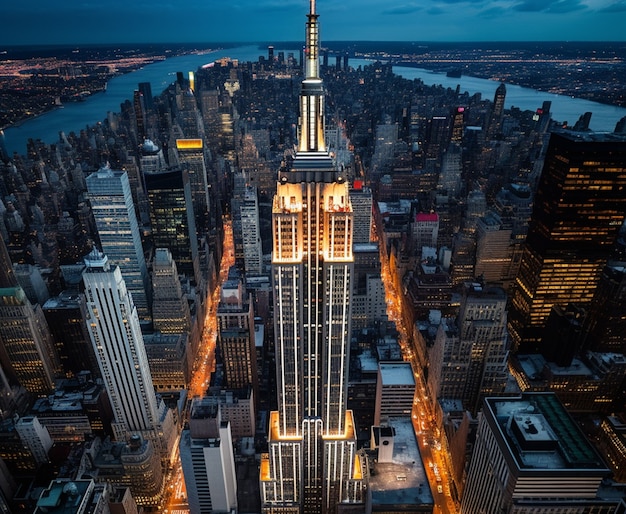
column 311, row 137
column 312, row 70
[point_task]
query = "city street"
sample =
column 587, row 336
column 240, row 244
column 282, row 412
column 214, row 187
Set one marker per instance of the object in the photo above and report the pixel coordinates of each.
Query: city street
column 175, row 495
column 426, row 431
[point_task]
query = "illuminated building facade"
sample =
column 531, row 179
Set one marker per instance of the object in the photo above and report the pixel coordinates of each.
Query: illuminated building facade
column 612, row 444
column 494, row 126
column 235, row 318
column 493, row 255
column 313, row 465
column 27, row 351
column 133, row 464
column 115, row 332
column 191, row 156
column 27, row 354
column 579, row 208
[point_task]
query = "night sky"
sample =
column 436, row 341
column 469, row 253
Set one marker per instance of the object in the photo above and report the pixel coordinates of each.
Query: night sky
column 28, row 22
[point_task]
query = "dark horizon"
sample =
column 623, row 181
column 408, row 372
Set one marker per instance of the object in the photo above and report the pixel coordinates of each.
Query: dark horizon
column 57, row 49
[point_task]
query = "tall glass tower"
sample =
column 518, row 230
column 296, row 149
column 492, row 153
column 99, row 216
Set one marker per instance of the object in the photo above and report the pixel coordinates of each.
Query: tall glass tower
column 578, row 211
column 313, row 465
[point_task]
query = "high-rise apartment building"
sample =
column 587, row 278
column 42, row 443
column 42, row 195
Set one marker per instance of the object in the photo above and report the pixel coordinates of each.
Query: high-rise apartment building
column 313, row 465
column 493, row 249
column 384, row 147
column 27, row 352
column 189, row 118
column 361, row 199
column 458, row 124
column 395, row 391
column 449, row 181
column 113, row 210
column 35, row 437
column 424, row 230
column 578, row 211
column 368, row 290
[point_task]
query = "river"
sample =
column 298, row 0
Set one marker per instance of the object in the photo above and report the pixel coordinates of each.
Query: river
column 76, row 116
column 563, row 108
column 73, row 117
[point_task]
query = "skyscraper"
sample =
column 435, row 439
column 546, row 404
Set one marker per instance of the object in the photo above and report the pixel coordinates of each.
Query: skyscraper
column 172, row 219
column 313, row 465
column 208, row 463
column 27, row 352
column 170, row 310
column 578, row 211
column 470, row 359
column 191, row 156
column 114, row 213
column 235, row 317
column 530, row 456
column 361, row 199
column 251, row 233
column 494, row 126
column 117, row 340
column 66, row 317
column 493, row 254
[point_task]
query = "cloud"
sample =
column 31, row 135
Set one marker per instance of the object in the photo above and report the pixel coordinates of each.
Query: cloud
column 619, row 6
column 549, row 6
column 493, row 12
column 403, row 9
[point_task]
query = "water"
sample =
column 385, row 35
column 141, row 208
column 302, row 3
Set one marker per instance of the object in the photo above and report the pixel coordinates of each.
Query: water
column 76, row 116
column 563, row 109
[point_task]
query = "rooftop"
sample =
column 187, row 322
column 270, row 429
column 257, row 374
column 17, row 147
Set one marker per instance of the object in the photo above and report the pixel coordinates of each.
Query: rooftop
column 64, row 497
column 540, row 434
column 397, row 373
column 402, row 481
column 592, row 137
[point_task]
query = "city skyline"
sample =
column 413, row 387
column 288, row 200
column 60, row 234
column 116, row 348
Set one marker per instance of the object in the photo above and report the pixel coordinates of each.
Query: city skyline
column 339, row 259
column 38, row 22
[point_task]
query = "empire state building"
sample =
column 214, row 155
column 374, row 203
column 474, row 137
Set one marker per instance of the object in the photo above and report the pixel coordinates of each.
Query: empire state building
column 313, row 465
